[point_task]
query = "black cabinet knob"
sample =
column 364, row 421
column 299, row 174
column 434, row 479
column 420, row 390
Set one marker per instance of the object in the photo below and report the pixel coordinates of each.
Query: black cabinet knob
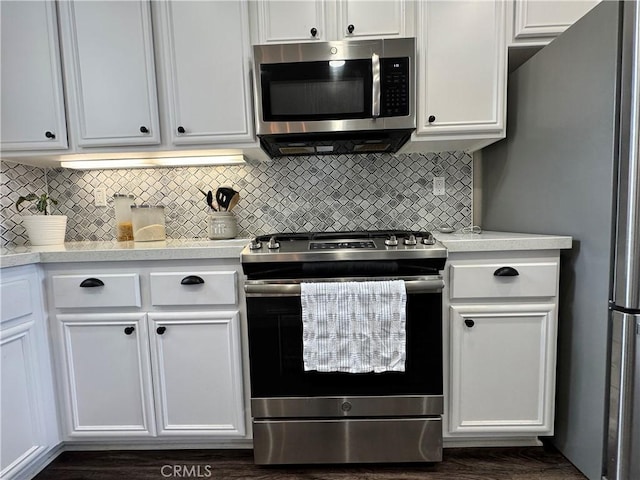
column 506, row 272
column 192, row 280
column 144, row 129
column 161, row 330
column 181, row 129
column 432, row 118
column 50, row 135
column 351, row 28
column 91, row 282
column 314, row 31
column 129, row 330
column 469, row 323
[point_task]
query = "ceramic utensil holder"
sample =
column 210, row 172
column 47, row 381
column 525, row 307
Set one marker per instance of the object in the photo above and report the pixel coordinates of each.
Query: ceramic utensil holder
column 222, row 225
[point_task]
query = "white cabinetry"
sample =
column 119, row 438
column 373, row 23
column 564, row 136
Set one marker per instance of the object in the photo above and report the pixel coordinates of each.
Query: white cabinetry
column 461, row 72
column 168, row 365
column 204, row 49
column 110, row 69
column 539, row 22
column 32, row 101
column 106, row 374
column 502, row 324
column 203, row 404
column 325, row 20
column 28, row 422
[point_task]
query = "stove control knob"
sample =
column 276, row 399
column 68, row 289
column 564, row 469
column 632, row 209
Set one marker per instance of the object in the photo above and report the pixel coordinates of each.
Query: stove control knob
column 428, row 240
column 255, row 244
column 392, row 241
column 273, row 244
column 410, row 240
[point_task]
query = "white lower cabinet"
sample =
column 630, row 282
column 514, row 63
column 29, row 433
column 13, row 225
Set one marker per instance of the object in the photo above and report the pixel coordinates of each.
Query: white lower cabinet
column 107, row 374
column 502, row 368
column 28, row 420
column 197, row 374
column 500, row 315
column 162, row 362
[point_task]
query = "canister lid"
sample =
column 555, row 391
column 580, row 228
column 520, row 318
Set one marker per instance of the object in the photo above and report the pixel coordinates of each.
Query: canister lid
column 121, row 195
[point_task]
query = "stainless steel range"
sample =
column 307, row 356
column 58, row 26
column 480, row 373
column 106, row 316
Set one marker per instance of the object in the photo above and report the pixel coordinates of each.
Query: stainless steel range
column 305, row 416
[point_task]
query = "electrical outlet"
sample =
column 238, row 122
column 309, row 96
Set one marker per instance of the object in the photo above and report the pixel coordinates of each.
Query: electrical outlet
column 99, row 197
column 438, row 185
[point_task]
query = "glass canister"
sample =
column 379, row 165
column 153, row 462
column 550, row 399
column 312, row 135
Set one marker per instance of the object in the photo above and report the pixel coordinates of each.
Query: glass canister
column 222, row 225
column 148, row 223
column 122, row 205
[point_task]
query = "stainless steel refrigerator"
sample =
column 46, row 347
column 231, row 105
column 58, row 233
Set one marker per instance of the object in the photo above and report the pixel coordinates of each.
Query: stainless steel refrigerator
column 569, row 165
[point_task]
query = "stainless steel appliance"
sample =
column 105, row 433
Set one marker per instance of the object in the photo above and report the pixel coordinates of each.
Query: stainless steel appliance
column 335, row 97
column 570, row 165
column 302, row 417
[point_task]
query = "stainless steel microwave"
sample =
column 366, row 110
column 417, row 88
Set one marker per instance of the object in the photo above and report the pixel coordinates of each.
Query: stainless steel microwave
column 335, row 97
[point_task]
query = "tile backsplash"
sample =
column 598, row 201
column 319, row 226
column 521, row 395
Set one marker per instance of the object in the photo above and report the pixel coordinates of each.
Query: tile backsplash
column 343, row 192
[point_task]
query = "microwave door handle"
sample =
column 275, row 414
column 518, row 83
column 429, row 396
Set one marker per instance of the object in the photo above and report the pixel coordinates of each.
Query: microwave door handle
column 375, row 73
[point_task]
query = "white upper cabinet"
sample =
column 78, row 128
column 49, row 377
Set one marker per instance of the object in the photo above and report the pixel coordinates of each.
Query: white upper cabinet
column 540, row 21
column 110, row 68
column 326, row 20
column 461, row 73
column 286, row 21
column 374, row 19
column 32, row 102
column 205, row 56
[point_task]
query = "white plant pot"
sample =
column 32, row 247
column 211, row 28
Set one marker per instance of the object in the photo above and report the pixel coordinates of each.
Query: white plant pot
column 45, row 229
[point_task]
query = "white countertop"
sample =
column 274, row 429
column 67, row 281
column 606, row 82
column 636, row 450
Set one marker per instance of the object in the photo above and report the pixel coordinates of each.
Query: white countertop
column 181, row 249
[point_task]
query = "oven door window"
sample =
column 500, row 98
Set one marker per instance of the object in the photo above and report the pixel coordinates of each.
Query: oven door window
column 305, row 91
column 275, row 348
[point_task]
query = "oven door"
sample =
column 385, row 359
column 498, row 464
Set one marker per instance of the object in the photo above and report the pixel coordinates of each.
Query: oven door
column 274, row 315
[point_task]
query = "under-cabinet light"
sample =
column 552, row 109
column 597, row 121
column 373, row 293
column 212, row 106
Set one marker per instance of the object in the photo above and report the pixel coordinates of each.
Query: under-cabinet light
column 154, row 162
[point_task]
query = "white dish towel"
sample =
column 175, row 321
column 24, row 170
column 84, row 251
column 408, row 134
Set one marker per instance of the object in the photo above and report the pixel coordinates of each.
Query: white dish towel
column 355, row 327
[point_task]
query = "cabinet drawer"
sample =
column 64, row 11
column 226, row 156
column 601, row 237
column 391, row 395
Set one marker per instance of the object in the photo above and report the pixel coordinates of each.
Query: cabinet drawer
column 517, row 280
column 194, row 288
column 97, row 290
column 15, row 298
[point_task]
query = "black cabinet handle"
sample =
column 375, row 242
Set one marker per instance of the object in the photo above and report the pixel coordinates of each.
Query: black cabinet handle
column 129, row 330
column 351, row 28
column 469, row 323
column 50, row 135
column 144, row 129
column 192, row 280
column 432, row 118
column 181, row 129
column 314, row 31
column 161, row 330
column 506, row 272
column 91, row 282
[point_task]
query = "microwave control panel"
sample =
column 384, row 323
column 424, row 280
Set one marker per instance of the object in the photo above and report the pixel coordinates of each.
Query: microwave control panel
column 394, row 79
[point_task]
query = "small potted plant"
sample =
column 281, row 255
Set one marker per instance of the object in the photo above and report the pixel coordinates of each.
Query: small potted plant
column 45, row 229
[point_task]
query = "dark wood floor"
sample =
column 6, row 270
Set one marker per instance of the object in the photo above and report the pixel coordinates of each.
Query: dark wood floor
column 515, row 463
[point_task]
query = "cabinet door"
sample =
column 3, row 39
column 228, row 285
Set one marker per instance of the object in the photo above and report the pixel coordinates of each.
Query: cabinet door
column 197, row 373
column 285, row 21
column 373, row 19
column 547, row 18
column 107, row 379
column 461, row 68
column 206, row 56
column 111, row 72
column 32, row 101
column 21, row 435
column 502, row 368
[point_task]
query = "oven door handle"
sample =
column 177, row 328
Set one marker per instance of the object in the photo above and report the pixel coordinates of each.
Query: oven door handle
column 260, row 288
